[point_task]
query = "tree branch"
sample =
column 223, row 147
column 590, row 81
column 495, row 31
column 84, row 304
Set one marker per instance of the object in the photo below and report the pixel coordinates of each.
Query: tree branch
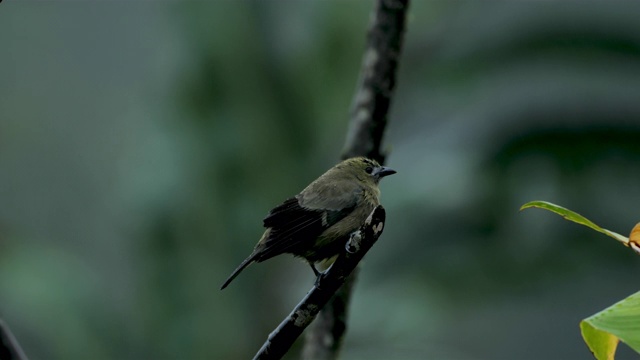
column 368, row 120
column 9, row 347
column 324, row 338
column 369, row 111
column 283, row 337
column 377, row 80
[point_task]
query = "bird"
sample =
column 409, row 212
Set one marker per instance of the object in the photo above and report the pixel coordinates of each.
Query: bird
column 316, row 224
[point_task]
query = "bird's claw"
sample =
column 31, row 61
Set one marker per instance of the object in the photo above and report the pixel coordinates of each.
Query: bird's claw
column 353, row 245
column 320, row 278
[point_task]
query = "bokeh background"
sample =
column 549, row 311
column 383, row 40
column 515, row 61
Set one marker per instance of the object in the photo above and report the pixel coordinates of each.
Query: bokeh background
column 142, row 143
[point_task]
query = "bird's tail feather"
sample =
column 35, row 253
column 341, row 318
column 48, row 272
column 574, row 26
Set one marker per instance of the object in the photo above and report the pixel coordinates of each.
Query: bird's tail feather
column 248, row 261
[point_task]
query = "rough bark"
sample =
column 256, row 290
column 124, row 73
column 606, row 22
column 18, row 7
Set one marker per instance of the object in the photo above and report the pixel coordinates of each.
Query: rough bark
column 377, row 80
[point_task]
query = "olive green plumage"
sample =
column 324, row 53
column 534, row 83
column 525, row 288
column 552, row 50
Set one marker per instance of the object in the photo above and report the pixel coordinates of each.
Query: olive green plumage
column 316, row 223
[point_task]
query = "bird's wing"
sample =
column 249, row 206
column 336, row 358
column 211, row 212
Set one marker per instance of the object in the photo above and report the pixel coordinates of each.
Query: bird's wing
column 302, row 219
column 332, row 195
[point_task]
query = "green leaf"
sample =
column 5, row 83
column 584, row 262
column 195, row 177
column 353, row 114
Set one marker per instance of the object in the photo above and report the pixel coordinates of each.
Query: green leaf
column 621, row 321
column 575, row 217
column 602, row 344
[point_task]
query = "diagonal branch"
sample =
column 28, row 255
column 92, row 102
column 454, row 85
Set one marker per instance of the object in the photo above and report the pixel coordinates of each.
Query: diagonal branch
column 9, row 347
column 283, row 337
column 364, row 138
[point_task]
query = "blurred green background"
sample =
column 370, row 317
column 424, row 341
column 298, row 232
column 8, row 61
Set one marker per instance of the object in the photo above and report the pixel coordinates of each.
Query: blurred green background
column 142, row 143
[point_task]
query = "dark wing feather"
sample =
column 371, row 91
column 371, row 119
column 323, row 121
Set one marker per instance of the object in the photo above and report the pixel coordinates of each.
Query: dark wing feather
column 293, row 226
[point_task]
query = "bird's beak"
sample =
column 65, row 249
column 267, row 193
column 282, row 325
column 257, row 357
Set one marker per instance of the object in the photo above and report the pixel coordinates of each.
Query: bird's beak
column 383, row 171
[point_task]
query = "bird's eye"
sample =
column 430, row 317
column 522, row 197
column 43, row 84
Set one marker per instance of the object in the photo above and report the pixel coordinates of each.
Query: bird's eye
column 369, row 169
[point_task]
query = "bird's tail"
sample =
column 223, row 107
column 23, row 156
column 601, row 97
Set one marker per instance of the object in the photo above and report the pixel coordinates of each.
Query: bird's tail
column 248, row 261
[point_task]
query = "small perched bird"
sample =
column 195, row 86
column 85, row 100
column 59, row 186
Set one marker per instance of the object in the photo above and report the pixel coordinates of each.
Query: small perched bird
column 316, row 223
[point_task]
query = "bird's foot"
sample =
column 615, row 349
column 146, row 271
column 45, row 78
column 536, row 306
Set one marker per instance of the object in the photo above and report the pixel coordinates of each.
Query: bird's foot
column 313, row 267
column 319, row 277
column 353, row 245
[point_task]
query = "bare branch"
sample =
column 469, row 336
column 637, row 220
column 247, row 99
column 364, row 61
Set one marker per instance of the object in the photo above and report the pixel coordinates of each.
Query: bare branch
column 281, row 339
column 9, row 347
column 377, row 80
column 364, row 138
column 368, row 120
column 324, row 338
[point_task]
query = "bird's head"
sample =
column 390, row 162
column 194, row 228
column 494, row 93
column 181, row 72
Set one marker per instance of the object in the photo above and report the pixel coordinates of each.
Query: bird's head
column 364, row 169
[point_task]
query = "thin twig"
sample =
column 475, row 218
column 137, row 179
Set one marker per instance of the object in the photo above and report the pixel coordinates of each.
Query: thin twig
column 281, row 339
column 9, row 347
